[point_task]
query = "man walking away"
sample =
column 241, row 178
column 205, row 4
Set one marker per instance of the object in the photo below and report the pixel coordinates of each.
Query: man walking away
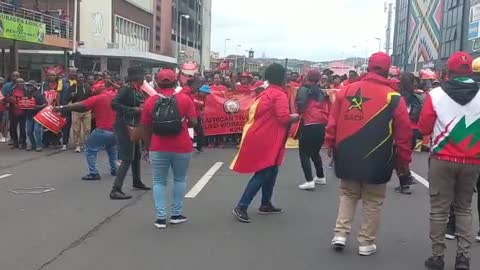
column 367, row 121
column 451, row 114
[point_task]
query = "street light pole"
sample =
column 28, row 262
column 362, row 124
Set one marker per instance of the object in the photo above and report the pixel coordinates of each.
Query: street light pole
column 181, row 17
column 236, row 57
column 75, row 20
column 225, row 49
column 355, row 58
column 379, row 44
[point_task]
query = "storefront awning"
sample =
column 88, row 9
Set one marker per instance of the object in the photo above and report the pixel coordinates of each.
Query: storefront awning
column 147, row 56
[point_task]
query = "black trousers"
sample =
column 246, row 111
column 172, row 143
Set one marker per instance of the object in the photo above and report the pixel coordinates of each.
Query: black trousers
column 200, row 139
column 17, row 123
column 66, row 128
column 405, row 180
column 310, row 142
column 129, row 154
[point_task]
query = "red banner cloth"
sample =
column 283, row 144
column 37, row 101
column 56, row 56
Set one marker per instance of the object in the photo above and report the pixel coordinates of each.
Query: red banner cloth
column 226, row 112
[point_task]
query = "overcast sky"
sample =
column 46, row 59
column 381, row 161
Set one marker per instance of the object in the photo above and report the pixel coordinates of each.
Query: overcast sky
column 314, row 30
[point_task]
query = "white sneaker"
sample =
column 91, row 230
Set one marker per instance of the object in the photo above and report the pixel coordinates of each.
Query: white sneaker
column 339, row 242
column 367, row 250
column 450, row 236
column 64, row 147
column 320, row 181
column 3, row 140
column 78, row 149
column 307, row 186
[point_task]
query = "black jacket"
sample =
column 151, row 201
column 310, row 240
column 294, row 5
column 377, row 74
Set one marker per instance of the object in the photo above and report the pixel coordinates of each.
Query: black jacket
column 82, row 92
column 126, row 103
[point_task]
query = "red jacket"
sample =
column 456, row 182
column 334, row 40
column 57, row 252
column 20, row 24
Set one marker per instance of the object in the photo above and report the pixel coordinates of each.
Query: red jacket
column 265, row 133
column 311, row 109
column 243, row 88
column 366, row 121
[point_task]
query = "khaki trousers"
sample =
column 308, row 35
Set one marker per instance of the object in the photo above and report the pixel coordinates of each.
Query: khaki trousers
column 451, row 183
column 372, row 197
column 81, row 122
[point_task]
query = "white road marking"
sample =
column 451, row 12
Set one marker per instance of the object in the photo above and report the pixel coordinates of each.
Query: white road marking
column 5, row 175
column 420, row 179
column 204, row 180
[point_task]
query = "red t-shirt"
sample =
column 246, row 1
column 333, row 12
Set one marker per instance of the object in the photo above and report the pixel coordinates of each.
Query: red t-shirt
column 181, row 143
column 101, row 105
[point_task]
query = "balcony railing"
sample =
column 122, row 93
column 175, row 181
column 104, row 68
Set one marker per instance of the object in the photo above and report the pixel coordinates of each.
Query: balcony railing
column 54, row 25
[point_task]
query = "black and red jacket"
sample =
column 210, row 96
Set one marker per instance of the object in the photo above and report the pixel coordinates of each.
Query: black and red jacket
column 313, row 105
column 369, row 131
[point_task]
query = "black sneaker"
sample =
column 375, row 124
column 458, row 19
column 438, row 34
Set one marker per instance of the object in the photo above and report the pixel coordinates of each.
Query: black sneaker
column 113, row 172
column 178, row 219
column 118, row 195
column 450, row 234
column 462, row 262
column 478, row 237
column 91, row 177
column 435, row 263
column 270, row 209
column 412, row 180
column 241, row 215
column 403, row 190
column 141, row 187
column 160, row 224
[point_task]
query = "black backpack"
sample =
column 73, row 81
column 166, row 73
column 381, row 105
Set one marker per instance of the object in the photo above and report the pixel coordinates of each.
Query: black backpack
column 166, row 117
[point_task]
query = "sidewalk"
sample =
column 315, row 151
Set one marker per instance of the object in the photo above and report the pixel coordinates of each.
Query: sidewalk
column 12, row 158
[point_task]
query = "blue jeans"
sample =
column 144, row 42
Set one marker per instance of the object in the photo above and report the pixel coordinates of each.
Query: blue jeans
column 265, row 180
column 101, row 139
column 161, row 163
column 34, row 132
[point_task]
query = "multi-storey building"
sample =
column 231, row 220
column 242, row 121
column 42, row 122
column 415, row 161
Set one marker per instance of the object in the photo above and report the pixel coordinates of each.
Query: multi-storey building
column 115, row 34
column 427, row 33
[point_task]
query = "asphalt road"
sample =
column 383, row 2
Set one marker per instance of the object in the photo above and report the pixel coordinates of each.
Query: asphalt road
column 77, row 227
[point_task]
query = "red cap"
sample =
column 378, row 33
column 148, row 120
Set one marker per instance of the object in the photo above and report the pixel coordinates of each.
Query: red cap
column 166, row 76
column 246, row 74
column 313, row 75
column 379, row 60
column 460, row 63
column 257, row 85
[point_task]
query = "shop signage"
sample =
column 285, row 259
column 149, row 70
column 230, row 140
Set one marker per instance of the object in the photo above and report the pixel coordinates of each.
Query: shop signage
column 12, row 27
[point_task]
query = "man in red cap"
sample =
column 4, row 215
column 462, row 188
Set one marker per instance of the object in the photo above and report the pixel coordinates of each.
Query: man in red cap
column 244, row 85
column 367, row 121
column 451, row 114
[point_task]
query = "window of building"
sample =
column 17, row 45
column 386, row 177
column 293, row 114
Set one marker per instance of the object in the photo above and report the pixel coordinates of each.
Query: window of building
column 131, row 35
column 451, row 4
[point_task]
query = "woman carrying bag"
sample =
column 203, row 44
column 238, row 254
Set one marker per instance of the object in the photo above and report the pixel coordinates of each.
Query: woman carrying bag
column 129, row 105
